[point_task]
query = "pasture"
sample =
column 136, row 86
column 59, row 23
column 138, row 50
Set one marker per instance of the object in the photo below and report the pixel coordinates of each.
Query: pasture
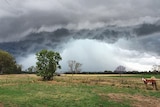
column 110, row 90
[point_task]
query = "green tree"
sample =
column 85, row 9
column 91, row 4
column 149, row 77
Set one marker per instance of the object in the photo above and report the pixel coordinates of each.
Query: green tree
column 47, row 63
column 8, row 64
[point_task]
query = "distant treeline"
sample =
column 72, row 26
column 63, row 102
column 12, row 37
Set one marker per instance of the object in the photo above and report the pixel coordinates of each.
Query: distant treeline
column 110, row 72
column 100, row 72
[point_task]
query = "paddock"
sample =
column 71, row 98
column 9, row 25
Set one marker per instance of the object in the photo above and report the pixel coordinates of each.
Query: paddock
column 100, row 90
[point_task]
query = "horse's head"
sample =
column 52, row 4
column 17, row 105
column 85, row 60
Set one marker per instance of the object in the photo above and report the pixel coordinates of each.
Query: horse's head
column 143, row 79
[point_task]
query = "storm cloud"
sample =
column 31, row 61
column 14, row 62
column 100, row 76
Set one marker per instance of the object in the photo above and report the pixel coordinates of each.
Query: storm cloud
column 18, row 18
column 117, row 32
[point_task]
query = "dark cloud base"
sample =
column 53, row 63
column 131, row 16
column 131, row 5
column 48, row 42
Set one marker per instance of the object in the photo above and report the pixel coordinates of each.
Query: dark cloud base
column 142, row 38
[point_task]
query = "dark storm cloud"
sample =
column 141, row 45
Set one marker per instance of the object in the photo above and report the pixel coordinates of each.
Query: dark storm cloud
column 129, row 30
column 18, row 17
column 146, row 29
column 16, row 26
column 150, row 43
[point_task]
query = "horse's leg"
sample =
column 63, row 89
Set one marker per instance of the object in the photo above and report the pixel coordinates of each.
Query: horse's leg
column 153, row 84
column 156, row 86
column 146, row 85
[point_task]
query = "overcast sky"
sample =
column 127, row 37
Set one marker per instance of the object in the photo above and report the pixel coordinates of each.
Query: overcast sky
column 20, row 17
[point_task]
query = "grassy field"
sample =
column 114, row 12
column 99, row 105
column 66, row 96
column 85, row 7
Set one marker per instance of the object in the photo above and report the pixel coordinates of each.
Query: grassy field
column 112, row 90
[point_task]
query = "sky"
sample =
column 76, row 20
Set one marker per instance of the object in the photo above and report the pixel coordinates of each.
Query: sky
column 18, row 18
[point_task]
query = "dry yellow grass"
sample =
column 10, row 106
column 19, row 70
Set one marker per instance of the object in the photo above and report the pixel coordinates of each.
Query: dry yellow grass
column 125, row 80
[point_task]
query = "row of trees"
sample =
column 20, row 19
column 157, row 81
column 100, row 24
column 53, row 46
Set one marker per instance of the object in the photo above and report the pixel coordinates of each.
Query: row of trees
column 47, row 64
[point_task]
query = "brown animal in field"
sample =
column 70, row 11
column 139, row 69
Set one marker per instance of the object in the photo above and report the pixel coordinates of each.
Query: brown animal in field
column 150, row 81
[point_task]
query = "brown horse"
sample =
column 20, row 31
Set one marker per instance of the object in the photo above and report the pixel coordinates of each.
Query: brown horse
column 150, row 81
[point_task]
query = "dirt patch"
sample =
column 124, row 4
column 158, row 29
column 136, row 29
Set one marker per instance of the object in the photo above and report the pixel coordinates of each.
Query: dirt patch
column 136, row 100
column 53, row 82
column 1, row 105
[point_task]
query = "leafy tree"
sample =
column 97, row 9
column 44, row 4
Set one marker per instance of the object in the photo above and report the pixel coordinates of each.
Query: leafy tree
column 47, row 64
column 8, row 64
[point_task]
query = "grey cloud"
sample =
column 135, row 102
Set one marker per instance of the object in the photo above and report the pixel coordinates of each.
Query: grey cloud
column 10, row 27
column 150, row 43
column 119, row 44
column 146, row 29
column 111, row 35
column 29, row 14
column 131, row 25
